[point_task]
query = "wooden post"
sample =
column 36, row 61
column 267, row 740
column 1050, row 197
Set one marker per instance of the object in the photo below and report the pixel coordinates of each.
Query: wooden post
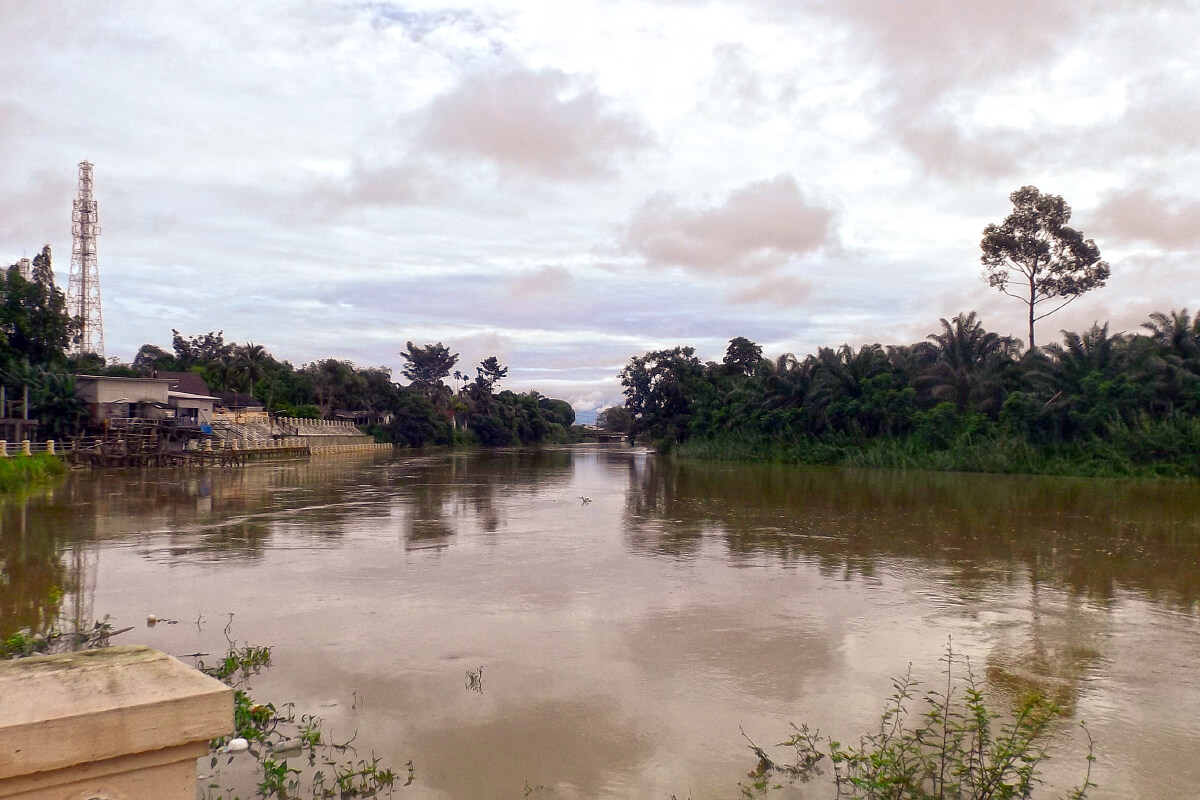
column 122, row 722
column 25, row 447
column 50, row 446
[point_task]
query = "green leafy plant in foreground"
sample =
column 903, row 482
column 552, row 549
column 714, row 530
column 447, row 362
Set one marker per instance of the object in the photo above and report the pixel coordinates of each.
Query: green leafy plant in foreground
column 327, row 769
column 955, row 749
column 56, row 639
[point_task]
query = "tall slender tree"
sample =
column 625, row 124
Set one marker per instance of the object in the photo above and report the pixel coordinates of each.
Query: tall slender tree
column 1037, row 258
column 252, row 364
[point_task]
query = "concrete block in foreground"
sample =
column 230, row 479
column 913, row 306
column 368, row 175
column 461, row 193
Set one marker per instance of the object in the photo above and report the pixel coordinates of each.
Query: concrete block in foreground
column 122, row 723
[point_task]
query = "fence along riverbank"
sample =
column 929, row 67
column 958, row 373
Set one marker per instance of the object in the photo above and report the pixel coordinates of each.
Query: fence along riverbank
column 143, row 443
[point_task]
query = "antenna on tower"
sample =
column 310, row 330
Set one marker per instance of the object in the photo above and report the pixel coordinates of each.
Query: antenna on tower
column 83, row 289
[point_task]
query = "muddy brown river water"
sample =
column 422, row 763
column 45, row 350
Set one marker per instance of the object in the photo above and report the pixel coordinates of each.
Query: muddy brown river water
column 592, row 622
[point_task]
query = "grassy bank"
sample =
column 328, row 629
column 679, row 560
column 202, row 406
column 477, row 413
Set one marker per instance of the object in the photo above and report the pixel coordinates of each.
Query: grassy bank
column 1156, row 448
column 19, row 471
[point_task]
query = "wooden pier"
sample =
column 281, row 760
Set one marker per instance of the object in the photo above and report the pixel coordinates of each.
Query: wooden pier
column 139, row 443
column 223, row 457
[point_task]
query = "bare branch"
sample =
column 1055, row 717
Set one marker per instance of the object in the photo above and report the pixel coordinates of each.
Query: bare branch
column 1064, row 305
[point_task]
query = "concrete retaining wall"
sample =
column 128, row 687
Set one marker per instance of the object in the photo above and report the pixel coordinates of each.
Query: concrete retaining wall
column 122, row 722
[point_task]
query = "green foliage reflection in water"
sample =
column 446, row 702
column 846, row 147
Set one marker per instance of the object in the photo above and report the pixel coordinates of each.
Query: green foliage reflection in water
column 956, row 749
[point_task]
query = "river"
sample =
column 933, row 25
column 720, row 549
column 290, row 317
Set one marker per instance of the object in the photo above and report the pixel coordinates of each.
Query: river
column 593, row 622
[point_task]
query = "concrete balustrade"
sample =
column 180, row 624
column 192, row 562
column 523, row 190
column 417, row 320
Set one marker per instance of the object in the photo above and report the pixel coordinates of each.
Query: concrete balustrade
column 351, row 448
column 123, row 723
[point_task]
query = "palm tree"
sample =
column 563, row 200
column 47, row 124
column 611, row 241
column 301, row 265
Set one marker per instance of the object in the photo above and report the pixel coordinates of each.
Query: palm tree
column 221, row 373
column 1175, row 332
column 1093, row 352
column 252, row 364
column 787, row 383
column 1094, row 388
column 1172, row 362
column 967, row 369
column 842, row 379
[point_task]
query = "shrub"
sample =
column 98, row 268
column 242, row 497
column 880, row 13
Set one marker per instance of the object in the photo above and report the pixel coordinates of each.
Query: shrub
column 957, row 749
column 18, row 471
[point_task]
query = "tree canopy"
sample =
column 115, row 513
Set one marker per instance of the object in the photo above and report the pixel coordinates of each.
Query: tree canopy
column 1036, row 257
column 425, row 412
column 34, row 325
column 427, row 365
column 965, row 398
column 742, row 357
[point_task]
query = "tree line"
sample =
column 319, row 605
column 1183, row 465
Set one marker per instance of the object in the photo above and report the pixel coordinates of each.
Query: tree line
column 965, row 397
column 960, row 386
column 36, row 333
column 1121, row 402
column 425, row 411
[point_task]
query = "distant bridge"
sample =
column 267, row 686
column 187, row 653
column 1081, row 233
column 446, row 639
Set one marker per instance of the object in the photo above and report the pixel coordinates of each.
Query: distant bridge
column 590, row 433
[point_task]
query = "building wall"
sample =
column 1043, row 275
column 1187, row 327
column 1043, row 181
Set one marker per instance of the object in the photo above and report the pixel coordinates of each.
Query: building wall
column 204, row 409
column 108, row 390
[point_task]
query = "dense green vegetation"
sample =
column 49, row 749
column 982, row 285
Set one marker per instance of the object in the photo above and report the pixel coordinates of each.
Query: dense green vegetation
column 18, row 471
column 424, row 412
column 1098, row 403
column 36, row 332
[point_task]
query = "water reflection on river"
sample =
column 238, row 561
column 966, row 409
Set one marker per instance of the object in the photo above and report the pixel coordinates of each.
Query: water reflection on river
column 630, row 614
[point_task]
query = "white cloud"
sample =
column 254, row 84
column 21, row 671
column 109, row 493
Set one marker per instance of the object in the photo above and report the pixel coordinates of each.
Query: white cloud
column 755, row 229
column 1142, row 214
column 540, row 122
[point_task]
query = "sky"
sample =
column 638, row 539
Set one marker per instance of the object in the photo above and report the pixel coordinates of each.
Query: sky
column 569, row 184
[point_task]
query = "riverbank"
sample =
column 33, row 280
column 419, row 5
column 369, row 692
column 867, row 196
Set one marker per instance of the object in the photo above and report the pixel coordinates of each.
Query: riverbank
column 1168, row 448
column 20, row 471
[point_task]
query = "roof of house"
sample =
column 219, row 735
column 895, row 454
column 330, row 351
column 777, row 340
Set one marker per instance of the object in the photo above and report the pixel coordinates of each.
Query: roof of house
column 189, row 395
column 188, row 382
column 117, row 378
column 238, row 400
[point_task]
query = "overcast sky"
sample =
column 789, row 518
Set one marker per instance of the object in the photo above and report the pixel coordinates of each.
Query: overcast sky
column 568, row 184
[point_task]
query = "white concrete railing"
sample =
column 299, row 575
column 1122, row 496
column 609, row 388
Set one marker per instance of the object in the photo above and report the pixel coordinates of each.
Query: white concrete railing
column 350, row 448
column 122, row 722
column 301, row 422
column 25, row 448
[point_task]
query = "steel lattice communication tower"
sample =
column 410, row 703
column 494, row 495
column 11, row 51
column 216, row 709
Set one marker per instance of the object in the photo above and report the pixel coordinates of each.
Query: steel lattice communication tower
column 83, row 289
